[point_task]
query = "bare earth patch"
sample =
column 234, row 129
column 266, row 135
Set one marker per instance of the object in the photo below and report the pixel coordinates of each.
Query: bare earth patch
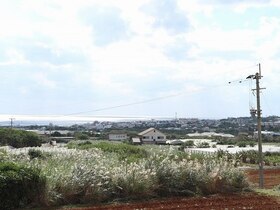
column 244, row 201
column 271, row 177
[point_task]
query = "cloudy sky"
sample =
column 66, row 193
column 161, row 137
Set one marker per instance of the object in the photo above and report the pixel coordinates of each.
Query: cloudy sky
column 155, row 57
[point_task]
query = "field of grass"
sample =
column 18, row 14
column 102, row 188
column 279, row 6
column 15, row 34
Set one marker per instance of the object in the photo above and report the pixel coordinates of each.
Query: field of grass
column 102, row 172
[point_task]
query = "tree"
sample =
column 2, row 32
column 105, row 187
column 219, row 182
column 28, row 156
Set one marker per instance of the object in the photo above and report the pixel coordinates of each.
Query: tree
column 56, row 134
column 81, row 136
column 19, row 138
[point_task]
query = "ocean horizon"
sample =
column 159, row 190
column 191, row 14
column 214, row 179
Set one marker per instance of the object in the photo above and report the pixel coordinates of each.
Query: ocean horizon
column 61, row 120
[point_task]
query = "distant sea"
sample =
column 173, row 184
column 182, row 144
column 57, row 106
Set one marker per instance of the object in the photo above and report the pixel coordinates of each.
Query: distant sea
column 25, row 120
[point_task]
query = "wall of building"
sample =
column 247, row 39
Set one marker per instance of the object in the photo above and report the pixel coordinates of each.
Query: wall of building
column 117, row 137
column 153, row 136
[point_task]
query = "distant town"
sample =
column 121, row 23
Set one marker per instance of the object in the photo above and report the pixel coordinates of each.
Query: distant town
column 171, row 129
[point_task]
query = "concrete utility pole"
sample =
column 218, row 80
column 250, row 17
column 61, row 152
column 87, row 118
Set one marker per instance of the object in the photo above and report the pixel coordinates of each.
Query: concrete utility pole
column 257, row 77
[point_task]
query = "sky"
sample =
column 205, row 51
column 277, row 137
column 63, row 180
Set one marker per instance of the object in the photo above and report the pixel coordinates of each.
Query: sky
column 138, row 58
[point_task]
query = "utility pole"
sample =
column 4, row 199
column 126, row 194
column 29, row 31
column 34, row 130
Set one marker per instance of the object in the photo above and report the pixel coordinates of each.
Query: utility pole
column 12, row 119
column 257, row 77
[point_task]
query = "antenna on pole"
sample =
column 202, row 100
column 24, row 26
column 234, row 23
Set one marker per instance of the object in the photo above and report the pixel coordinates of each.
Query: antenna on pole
column 260, row 70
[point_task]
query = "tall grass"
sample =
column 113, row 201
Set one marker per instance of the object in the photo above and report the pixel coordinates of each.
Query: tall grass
column 104, row 173
column 124, row 151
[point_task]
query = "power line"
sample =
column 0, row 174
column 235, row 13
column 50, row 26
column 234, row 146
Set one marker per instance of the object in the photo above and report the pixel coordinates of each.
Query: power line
column 141, row 102
column 156, row 98
column 266, row 103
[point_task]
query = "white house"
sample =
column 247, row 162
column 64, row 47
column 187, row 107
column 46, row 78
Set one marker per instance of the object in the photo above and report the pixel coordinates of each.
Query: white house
column 117, row 136
column 152, row 136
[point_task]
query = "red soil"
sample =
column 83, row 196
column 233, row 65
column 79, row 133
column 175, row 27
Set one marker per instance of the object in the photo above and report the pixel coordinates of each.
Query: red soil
column 271, row 177
column 246, row 201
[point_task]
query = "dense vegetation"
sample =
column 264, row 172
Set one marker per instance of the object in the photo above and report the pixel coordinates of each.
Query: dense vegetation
column 124, row 151
column 240, row 141
column 20, row 186
column 100, row 172
column 18, row 138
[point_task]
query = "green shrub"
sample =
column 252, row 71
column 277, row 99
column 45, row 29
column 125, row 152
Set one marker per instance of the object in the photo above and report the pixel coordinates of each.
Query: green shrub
column 131, row 153
column 203, row 145
column 252, row 143
column 3, row 155
column 272, row 158
column 20, row 186
column 189, row 143
column 81, row 136
column 241, row 144
column 245, row 143
column 19, row 138
column 250, row 156
column 226, row 141
column 85, row 143
column 224, row 154
column 33, row 153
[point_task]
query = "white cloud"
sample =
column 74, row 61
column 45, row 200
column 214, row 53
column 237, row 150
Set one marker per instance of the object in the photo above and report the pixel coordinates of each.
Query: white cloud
column 13, row 57
column 42, row 80
column 147, row 54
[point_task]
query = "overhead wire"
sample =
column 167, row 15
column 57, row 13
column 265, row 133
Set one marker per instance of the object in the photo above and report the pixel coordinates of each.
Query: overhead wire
column 251, row 93
column 151, row 100
column 156, row 98
column 143, row 101
column 266, row 103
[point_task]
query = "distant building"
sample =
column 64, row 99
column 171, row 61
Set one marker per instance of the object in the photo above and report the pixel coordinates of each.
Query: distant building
column 210, row 134
column 268, row 134
column 136, row 141
column 117, row 136
column 152, row 136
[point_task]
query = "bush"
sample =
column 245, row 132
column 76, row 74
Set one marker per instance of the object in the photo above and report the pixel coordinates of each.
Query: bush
column 242, row 144
column 33, row 153
column 85, row 143
column 20, row 186
column 19, row 138
column 224, row 154
column 252, row 143
column 272, row 158
column 131, row 153
column 203, row 145
column 3, row 155
column 81, row 136
column 188, row 144
column 226, row 141
column 250, row 156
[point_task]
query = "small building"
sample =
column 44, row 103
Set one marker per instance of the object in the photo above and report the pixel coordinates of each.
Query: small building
column 117, row 136
column 152, row 136
column 267, row 134
column 136, row 141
